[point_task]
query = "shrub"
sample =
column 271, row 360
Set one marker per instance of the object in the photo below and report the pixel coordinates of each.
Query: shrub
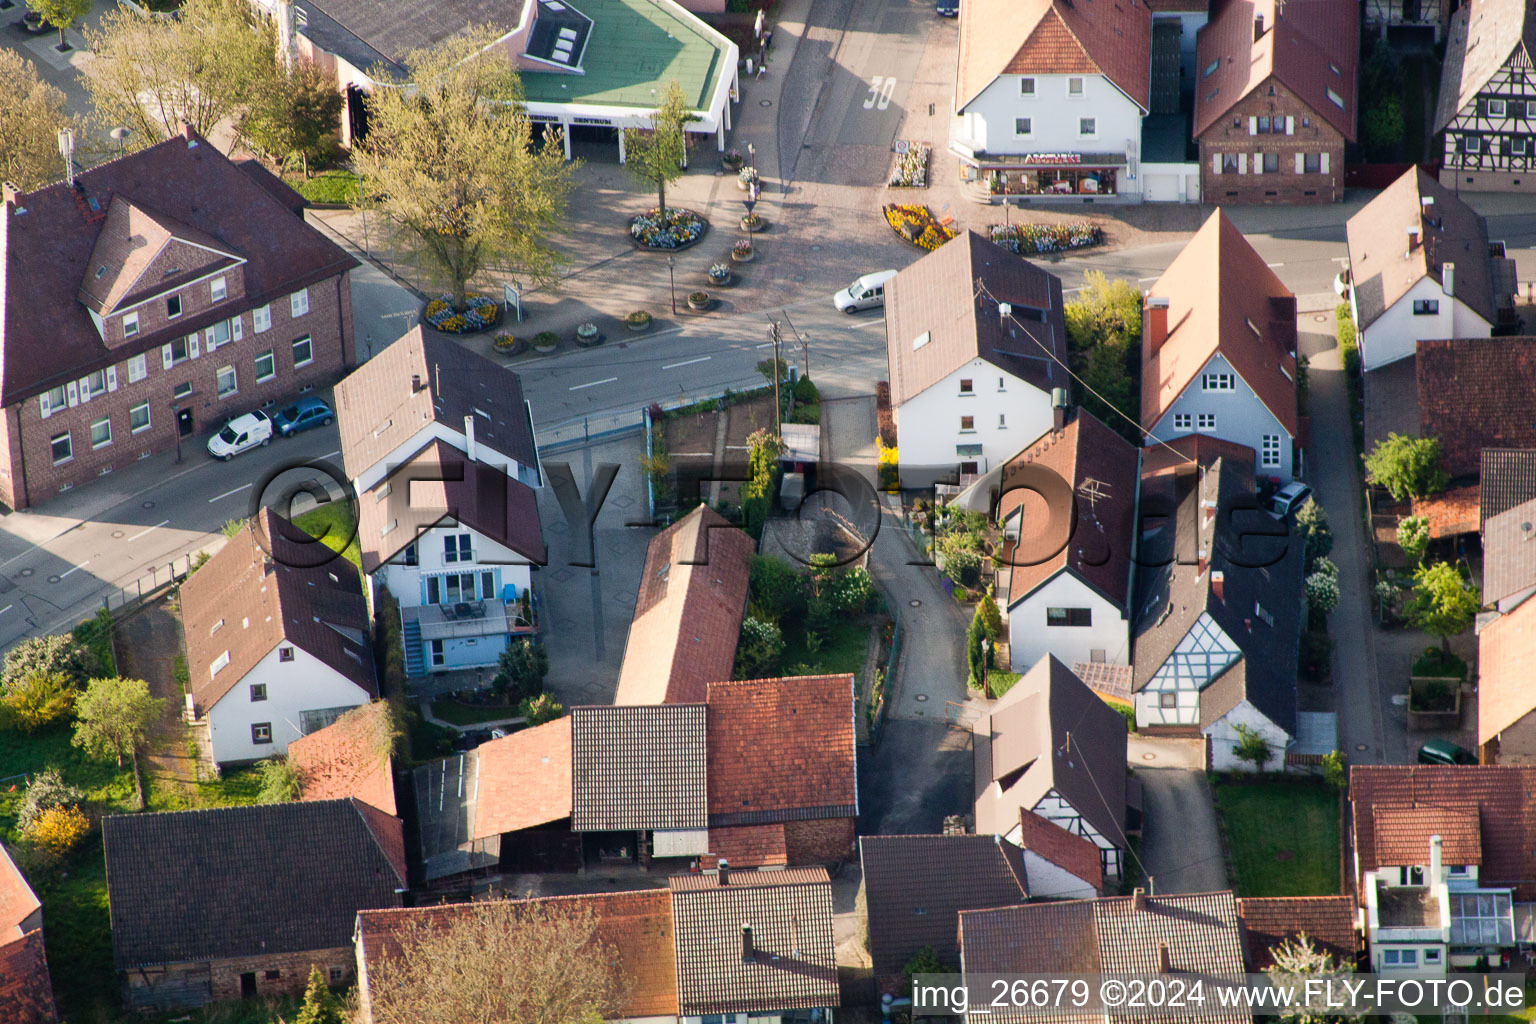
column 991, row 618
column 1322, row 592
column 546, row 339
column 62, row 653
column 1349, row 346
column 96, row 634
column 1312, row 524
column 776, row 589
column 57, row 830
column 850, row 590
column 279, row 781
column 759, row 649
column 1316, row 653
column 1408, row 467
column 540, row 709
column 521, row 670
column 963, row 566
column 1413, row 536
column 1437, row 662
column 806, row 392
column 1251, row 746
column 38, row 699
column 47, row 789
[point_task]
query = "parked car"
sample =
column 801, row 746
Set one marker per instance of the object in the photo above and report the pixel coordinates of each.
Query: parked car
column 1289, row 498
column 868, row 292
column 947, row 8
column 1445, row 752
column 303, row 414
column 469, row 739
column 252, row 430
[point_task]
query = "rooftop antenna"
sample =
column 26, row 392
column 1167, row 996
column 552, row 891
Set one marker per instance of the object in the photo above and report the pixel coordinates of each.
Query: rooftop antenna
column 67, row 151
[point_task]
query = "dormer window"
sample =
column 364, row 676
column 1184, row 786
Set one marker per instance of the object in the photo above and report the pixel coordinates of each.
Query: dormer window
column 218, row 289
column 101, row 272
column 173, row 307
column 130, row 324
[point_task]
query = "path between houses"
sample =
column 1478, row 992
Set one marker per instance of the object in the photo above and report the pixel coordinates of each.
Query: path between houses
column 1180, row 842
column 146, row 644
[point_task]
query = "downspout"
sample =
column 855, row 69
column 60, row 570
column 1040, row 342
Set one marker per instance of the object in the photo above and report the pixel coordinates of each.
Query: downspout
column 21, row 448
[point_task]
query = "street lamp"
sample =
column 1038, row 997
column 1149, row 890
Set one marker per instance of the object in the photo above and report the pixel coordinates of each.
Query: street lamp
column 753, row 191
column 121, row 135
column 752, row 159
column 672, row 284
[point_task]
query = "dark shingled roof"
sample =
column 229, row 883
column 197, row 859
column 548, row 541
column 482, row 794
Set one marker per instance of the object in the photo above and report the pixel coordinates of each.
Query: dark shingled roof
column 46, row 333
column 916, row 886
column 638, row 768
column 793, row 964
column 244, row 881
column 1477, row 393
column 1508, row 478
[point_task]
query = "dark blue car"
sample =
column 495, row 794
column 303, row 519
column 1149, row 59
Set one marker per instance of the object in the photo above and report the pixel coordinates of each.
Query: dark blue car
column 303, row 414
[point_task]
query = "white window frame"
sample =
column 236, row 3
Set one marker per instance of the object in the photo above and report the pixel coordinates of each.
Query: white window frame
column 1473, row 143
column 95, row 444
column 1269, row 456
column 1218, row 382
column 130, row 324
column 218, row 289
column 1518, row 146
column 1502, row 111
column 307, row 341
column 1081, row 89
column 258, row 729
column 147, row 418
column 1183, row 421
column 1027, row 86
column 52, row 400
column 69, row 440
column 1029, row 127
column 271, row 359
column 261, row 318
column 298, row 303
column 1205, row 421
column 219, row 665
column 138, row 368
column 218, row 381
column 219, row 334
column 1092, row 125
column 180, row 306
column 258, row 692
column 89, row 386
column 1335, row 98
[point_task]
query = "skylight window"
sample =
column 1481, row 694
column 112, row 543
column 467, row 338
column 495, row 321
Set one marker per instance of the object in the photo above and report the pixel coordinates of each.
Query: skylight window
column 921, row 340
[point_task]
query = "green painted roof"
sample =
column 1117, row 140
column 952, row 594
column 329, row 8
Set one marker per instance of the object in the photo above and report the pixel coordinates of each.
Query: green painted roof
column 635, row 48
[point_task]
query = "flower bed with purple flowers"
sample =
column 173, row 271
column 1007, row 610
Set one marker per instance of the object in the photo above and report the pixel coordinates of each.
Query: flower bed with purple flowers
column 1028, row 239
column 676, row 229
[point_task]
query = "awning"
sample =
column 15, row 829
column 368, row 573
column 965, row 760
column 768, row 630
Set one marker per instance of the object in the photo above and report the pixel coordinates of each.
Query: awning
column 1044, row 161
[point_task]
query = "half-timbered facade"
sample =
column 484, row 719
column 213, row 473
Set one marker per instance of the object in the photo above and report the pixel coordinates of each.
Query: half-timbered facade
column 1423, row 15
column 1487, row 107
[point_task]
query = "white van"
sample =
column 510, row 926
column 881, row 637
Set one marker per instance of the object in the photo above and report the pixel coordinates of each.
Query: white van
column 867, row 292
column 240, row 434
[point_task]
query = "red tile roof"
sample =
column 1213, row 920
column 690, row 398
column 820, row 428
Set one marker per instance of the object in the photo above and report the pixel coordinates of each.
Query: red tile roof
column 1101, row 468
column 1506, row 664
column 1329, row 921
column 1054, row 37
column 1222, row 298
column 1075, row 855
column 1505, row 796
column 349, row 758
column 750, row 846
column 1403, row 833
column 1477, row 393
column 637, row 925
column 693, row 592
column 46, row 333
column 523, row 780
column 26, row 991
column 18, row 903
column 1451, row 513
column 1303, row 41
column 781, row 750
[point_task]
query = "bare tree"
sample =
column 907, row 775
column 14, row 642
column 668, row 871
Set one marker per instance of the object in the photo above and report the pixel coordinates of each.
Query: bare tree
column 530, row 962
column 31, row 114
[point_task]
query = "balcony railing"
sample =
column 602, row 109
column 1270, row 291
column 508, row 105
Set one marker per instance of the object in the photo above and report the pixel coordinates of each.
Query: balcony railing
column 465, row 619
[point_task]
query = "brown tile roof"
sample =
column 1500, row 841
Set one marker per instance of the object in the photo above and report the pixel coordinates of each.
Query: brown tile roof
column 1302, row 38
column 1382, row 267
column 263, row 599
column 1506, row 664
column 1054, row 37
column 273, row 185
column 1505, row 796
column 242, row 881
column 523, row 780
column 924, row 299
column 26, row 990
column 1050, row 733
column 793, row 964
column 1402, row 833
column 638, row 768
column 18, row 903
column 1391, row 401
column 1477, row 393
column 750, row 846
column 1329, row 921
column 1109, row 935
column 636, row 925
column 1075, row 855
column 1498, row 30
column 1451, row 513
column 438, row 483
column 1112, row 682
column 46, row 333
column 693, row 592
column 1101, row 468
column 1508, row 478
column 916, row 886
column 141, row 253
column 349, row 758
column 1509, row 553
column 781, row 750
column 1222, row 298
column 379, row 408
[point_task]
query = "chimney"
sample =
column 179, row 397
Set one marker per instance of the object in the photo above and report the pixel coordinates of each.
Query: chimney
column 1427, row 208
column 1434, row 860
column 67, row 151
column 187, row 132
column 1413, row 237
column 1258, row 27
column 1138, row 899
column 1200, row 564
column 415, row 383
column 1448, row 280
column 469, row 437
column 725, row 871
column 1164, row 959
column 1058, row 408
column 1155, row 329
column 747, row 953
column 10, row 191
column 1218, row 583
column 287, row 41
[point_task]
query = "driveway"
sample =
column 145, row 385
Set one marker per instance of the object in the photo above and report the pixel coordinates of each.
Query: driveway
column 920, row 772
column 1180, row 843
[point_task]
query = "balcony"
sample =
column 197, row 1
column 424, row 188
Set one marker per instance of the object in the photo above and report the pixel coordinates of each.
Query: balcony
column 465, row 619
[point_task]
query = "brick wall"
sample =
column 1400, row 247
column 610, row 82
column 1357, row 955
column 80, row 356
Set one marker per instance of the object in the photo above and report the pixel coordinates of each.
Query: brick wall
column 819, row 841
column 1311, row 134
column 28, row 473
column 174, row 983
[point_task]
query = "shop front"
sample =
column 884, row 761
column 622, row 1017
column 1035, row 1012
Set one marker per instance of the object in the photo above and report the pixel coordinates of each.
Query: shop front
column 1050, row 174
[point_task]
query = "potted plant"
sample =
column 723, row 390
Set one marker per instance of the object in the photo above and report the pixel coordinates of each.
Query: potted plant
column 745, row 177
column 506, row 343
column 586, row 334
column 742, row 252
column 639, row 320
column 698, row 300
column 719, row 273
column 753, row 222
column 731, row 160
column 545, row 341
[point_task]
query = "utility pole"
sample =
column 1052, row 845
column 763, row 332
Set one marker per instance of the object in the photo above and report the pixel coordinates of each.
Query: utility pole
column 778, row 408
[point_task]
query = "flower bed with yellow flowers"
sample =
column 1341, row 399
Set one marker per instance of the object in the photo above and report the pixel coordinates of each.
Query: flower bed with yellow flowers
column 481, row 312
column 917, row 225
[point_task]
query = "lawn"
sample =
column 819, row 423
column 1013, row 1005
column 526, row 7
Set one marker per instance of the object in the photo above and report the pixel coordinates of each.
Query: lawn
column 450, row 710
column 842, row 650
column 334, row 525
column 1000, row 680
column 337, row 186
column 1283, row 836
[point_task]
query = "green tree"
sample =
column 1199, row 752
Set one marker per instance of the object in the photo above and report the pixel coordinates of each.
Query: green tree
column 991, row 618
column 1444, row 604
column 38, row 699
column 451, row 165
column 320, row 1004
column 1107, row 389
column 759, row 649
column 31, row 116
column 1104, row 312
column 1316, row 535
column 656, row 155
column 60, row 14
column 1251, row 746
column 540, row 709
column 1382, row 127
column 1322, row 591
column 60, row 653
column 1104, row 330
column 1408, row 467
column 279, row 779
column 521, row 670
column 976, row 653
column 117, row 717
column 298, row 114
column 1413, row 536
column 1333, row 769
column 1312, row 973
column 776, row 589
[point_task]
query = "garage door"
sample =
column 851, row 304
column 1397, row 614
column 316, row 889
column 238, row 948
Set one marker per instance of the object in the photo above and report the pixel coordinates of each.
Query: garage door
column 1160, row 188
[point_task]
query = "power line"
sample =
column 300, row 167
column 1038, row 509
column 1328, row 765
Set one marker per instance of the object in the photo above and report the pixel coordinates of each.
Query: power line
column 1125, row 840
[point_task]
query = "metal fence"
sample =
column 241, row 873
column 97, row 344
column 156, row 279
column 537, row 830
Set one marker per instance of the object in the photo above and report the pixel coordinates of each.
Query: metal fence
column 150, row 586
column 880, row 701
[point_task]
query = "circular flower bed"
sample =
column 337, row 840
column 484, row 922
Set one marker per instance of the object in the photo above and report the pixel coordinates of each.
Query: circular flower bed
column 719, row 273
column 698, row 300
column 731, row 160
column 1036, row 238
column 639, row 320
column 676, row 229
column 917, row 225
column 586, row 334
column 753, row 223
column 482, row 312
column 545, row 341
column 506, row 344
column 742, row 252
